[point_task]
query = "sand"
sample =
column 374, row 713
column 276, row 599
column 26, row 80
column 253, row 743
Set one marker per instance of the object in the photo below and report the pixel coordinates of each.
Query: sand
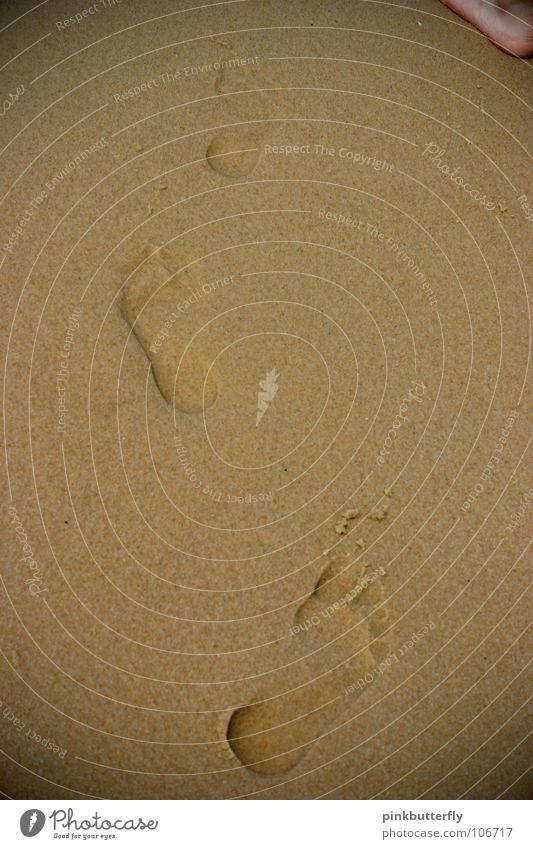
column 267, row 492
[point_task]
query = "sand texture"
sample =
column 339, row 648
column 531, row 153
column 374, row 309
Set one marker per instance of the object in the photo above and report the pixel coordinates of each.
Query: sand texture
column 267, row 402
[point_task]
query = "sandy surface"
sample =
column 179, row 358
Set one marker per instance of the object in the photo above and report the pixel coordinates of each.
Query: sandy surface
column 264, row 264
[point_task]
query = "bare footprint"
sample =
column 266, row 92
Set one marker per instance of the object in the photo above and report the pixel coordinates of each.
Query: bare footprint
column 157, row 301
column 343, row 617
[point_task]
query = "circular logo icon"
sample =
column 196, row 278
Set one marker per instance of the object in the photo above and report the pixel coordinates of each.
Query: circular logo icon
column 32, row 822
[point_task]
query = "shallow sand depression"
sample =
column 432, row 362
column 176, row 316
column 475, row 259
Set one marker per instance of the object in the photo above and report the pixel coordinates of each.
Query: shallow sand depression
column 267, row 501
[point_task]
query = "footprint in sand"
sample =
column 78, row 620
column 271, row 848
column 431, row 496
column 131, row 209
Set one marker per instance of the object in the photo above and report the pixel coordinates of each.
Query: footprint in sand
column 155, row 288
column 235, row 152
column 345, row 617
